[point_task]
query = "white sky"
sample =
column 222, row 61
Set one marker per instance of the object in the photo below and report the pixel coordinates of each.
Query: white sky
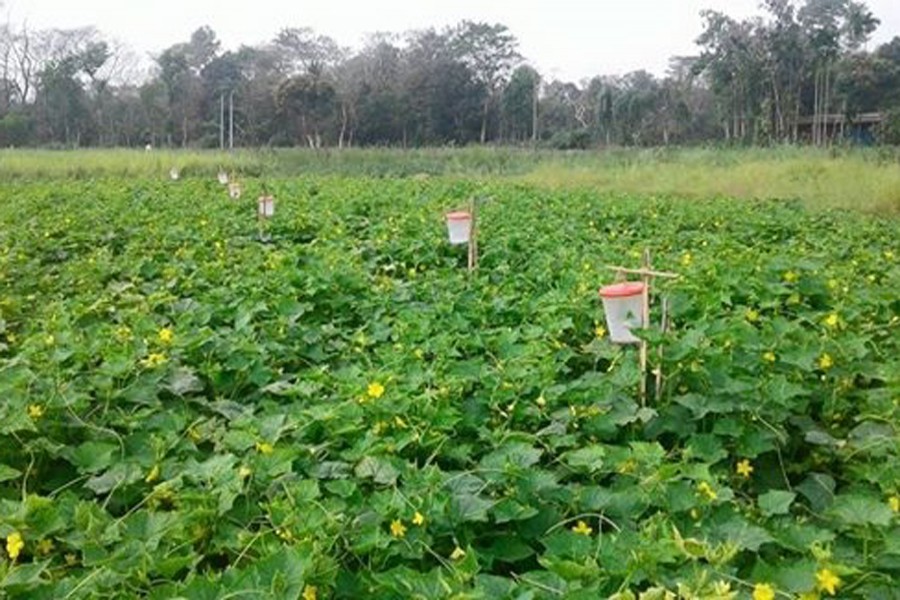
column 566, row 39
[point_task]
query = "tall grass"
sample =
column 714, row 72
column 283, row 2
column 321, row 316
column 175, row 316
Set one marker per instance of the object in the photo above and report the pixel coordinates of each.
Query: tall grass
column 87, row 164
column 859, row 179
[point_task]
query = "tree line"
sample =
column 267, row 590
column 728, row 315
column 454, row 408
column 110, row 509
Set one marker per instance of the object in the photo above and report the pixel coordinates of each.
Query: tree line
column 787, row 75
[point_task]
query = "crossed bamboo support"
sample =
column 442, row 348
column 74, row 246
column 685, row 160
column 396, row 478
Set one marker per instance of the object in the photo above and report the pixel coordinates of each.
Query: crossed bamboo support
column 647, row 275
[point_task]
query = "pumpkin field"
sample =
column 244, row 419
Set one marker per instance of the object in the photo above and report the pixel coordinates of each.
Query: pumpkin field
column 339, row 408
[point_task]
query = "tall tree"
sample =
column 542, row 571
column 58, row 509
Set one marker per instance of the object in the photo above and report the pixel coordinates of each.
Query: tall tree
column 490, row 52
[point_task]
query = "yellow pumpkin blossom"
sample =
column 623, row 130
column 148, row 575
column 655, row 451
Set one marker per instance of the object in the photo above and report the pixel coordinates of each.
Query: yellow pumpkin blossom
column 832, row 321
column 894, row 503
column 752, row 315
column 264, row 448
column 14, row 545
column 600, row 332
column 827, row 581
column 825, row 362
column 744, row 468
column 165, row 336
column 763, row 591
column 582, row 528
column 769, row 357
column 418, row 519
column 707, row 491
column 375, row 390
column 398, row 529
column 310, row 592
column 154, row 360
column 457, row 553
column 35, row 411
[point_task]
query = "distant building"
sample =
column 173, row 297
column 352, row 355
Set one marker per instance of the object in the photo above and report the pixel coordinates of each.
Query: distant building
column 860, row 128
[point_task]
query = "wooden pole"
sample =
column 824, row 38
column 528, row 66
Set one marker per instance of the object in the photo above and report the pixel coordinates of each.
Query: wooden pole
column 664, row 326
column 649, row 272
column 645, row 322
column 473, row 235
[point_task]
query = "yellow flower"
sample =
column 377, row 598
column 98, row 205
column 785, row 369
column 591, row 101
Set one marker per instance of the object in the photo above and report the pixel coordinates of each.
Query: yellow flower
column 398, row 529
column 790, row 277
column 763, row 591
column 264, row 448
column 832, row 320
column 752, row 315
column 14, row 544
column 244, row 472
column 35, row 411
column 600, row 332
column 889, row 255
column 457, row 553
column 627, row 466
column 894, row 503
column 375, row 390
column 154, row 360
column 194, row 434
column 582, row 528
column 153, row 475
column 744, row 468
column 827, row 581
column 707, row 491
column 310, row 592
column 686, row 259
column 165, row 336
column 769, row 357
column 418, row 519
column 45, row 547
column 825, row 362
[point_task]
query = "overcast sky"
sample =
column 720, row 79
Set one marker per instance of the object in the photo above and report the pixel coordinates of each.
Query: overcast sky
column 566, row 39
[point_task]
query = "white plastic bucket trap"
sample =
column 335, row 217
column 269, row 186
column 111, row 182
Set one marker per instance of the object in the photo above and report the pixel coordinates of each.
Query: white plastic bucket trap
column 459, row 227
column 266, row 206
column 234, row 190
column 623, row 304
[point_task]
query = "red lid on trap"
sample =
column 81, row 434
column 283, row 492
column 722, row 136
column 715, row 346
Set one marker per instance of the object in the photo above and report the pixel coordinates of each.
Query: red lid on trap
column 622, row 290
column 458, row 216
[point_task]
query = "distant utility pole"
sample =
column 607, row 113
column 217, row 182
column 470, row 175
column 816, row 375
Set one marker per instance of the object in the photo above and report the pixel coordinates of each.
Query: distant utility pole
column 534, row 109
column 222, row 121
column 231, row 120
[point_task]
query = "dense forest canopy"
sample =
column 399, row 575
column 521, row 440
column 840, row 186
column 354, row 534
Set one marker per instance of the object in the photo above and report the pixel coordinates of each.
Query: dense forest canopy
column 798, row 72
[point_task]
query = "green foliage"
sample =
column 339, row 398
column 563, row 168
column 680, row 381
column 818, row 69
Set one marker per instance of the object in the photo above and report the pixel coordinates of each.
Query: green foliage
column 345, row 412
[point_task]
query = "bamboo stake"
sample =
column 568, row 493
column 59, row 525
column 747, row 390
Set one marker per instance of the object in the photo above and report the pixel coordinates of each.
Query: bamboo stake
column 645, row 322
column 473, row 235
column 664, row 326
column 642, row 272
